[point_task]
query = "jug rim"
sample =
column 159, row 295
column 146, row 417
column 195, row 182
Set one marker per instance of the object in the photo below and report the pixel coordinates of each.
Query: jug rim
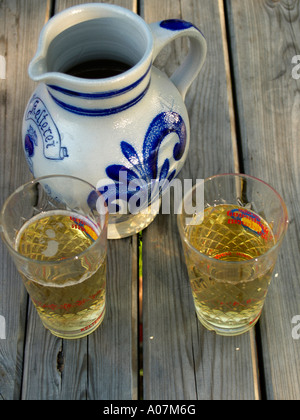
column 71, row 16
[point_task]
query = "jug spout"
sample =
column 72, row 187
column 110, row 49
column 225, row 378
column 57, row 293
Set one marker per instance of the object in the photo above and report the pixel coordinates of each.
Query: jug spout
column 87, row 34
column 37, row 68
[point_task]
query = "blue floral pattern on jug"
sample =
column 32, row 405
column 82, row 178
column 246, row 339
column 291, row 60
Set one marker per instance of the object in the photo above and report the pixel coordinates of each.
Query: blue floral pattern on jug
column 126, row 179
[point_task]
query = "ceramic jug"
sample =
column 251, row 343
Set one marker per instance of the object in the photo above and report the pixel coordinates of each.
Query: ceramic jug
column 102, row 112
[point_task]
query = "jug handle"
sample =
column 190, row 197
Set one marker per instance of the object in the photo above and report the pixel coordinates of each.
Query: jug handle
column 168, row 30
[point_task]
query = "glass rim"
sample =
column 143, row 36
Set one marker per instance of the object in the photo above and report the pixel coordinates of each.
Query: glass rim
column 13, row 251
column 251, row 260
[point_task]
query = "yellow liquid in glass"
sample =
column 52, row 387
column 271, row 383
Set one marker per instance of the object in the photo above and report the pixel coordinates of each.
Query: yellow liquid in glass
column 69, row 296
column 229, row 297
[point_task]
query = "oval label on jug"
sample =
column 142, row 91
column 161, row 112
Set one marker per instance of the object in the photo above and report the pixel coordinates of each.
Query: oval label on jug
column 38, row 114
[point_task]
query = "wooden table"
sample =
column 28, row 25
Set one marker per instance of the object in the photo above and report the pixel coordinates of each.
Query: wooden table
column 245, row 116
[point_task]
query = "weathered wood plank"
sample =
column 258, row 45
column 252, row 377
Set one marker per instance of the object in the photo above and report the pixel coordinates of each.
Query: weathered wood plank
column 182, row 360
column 17, row 45
column 265, row 36
column 63, row 4
column 103, row 365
